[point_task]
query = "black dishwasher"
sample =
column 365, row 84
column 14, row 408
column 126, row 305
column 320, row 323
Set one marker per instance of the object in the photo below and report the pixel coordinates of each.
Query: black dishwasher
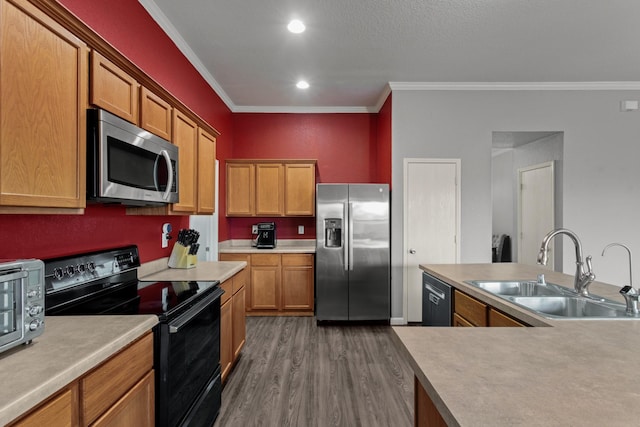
column 436, row 302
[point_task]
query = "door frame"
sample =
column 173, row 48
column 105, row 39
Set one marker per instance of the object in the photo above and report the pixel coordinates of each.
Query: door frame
column 550, row 164
column 405, row 212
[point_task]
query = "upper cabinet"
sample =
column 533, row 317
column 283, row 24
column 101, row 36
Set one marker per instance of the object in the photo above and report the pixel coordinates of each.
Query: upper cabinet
column 268, row 188
column 206, row 172
column 113, row 89
column 155, row 114
column 43, row 76
column 185, row 136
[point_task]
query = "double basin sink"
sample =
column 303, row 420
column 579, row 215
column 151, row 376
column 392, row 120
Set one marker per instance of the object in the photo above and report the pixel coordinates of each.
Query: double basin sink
column 553, row 301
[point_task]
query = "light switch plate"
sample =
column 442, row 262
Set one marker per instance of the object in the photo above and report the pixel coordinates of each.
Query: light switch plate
column 301, row 229
column 254, row 229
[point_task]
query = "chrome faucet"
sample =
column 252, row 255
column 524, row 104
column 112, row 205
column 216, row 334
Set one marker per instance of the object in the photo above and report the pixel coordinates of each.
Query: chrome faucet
column 630, row 294
column 583, row 277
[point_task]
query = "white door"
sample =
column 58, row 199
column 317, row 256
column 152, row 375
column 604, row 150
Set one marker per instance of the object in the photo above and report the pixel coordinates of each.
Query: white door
column 431, row 222
column 535, row 211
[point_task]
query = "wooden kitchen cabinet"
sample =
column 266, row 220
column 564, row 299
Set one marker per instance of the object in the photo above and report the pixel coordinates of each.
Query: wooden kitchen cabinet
column 155, row 114
column 61, row 410
column 206, row 172
column 43, row 75
column 299, row 185
column 425, row 412
column 271, row 188
column 265, row 282
column 277, row 284
column 468, row 311
column 113, row 89
column 118, row 392
column 297, row 282
column 232, row 321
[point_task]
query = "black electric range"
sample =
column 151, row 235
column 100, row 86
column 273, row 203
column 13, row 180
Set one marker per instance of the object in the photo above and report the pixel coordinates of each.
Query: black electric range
column 186, row 339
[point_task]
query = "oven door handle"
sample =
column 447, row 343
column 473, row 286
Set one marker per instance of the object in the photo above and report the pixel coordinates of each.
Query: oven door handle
column 181, row 321
column 170, row 169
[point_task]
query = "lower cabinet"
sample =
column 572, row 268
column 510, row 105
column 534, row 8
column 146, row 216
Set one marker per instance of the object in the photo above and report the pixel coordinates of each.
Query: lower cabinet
column 277, row 284
column 118, row 392
column 232, row 321
column 468, row 311
column 425, row 412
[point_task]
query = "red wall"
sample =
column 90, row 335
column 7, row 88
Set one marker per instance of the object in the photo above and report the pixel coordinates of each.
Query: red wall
column 126, row 25
column 344, row 145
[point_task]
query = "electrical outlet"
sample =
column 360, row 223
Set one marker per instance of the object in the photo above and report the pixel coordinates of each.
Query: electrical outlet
column 254, row 229
column 301, row 229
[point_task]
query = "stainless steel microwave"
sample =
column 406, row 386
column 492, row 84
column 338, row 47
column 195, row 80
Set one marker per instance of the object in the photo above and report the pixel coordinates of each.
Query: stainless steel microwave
column 21, row 302
column 127, row 164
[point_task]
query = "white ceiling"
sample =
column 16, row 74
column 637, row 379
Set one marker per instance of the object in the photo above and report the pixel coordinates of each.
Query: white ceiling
column 353, row 49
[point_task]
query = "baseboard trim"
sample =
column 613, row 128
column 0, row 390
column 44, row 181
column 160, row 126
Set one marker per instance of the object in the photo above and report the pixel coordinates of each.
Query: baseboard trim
column 397, row 321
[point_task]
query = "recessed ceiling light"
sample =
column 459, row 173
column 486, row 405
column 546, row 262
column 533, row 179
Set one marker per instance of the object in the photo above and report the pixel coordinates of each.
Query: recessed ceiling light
column 296, row 26
column 302, row 85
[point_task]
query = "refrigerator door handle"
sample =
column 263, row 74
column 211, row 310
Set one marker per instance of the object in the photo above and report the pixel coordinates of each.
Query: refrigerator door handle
column 345, row 239
column 351, row 236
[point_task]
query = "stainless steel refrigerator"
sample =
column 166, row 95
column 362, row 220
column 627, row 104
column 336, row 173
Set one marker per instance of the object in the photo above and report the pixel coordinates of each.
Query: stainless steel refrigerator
column 353, row 278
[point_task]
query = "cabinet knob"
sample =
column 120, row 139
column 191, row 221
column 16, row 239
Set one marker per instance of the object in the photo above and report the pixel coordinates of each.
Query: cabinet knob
column 412, row 251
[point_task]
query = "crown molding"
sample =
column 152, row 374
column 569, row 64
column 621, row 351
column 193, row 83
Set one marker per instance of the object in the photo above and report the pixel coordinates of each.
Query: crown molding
column 514, row 86
column 164, row 23
column 300, row 110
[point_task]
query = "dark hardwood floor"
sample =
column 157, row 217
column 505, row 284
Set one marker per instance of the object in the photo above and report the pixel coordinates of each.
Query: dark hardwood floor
column 294, row 373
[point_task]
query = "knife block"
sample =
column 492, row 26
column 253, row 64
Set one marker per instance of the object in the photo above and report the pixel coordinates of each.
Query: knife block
column 180, row 257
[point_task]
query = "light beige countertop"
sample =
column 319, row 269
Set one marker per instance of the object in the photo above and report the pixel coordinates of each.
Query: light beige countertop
column 68, row 348
column 158, row 270
column 283, row 246
column 576, row 372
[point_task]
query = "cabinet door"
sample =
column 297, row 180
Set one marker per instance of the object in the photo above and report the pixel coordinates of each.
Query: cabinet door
column 61, row 410
column 269, row 189
column 137, row 407
column 239, row 324
column 226, row 338
column 155, row 114
column 265, row 287
column 300, row 189
column 206, row 172
column 113, row 89
column 297, row 282
column 185, row 136
column 43, row 76
column 240, row 189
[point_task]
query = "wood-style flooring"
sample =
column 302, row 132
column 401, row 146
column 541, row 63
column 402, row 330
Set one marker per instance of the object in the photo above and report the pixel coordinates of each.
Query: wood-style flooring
column 294, row 373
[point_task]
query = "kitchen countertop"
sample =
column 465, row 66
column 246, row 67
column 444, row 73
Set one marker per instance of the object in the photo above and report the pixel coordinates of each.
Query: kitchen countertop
column 203, row 271
column 283, row 246
column 68, row 348
column 575, row 372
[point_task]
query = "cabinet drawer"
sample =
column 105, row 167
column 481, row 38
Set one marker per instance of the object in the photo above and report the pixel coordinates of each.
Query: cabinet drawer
column 109, row 382
column 57, row 411
column 497, row 318
column 471, row 309
column 227, row 287
column 265, row 259
column 298, row 259
column 459, row 321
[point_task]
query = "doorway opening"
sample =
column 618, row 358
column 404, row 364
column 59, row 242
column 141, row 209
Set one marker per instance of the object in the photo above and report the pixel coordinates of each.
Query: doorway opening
column 513, row 153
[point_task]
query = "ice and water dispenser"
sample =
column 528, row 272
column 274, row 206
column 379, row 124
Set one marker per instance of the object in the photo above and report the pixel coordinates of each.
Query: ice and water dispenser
column 333, row 232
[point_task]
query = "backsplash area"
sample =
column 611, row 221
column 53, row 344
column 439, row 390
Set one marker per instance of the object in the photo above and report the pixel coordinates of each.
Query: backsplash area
column 101, row 227
column 286, row 228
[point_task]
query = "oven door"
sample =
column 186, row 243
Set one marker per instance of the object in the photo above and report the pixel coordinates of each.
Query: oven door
column 187, row 357
column 11, row 306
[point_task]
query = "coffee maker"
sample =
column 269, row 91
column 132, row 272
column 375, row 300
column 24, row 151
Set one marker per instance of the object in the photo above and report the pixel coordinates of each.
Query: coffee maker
column 266, row 235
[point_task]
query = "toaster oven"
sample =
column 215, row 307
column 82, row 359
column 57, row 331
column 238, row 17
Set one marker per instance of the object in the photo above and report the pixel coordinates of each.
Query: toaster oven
column 21, row 302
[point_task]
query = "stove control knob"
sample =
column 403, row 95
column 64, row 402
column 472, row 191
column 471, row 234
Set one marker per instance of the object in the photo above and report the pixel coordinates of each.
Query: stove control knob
column 80, row 268
column 34, row 324
column 34, row 310
column 91, row 266
column 71, row 270
column 58, row 273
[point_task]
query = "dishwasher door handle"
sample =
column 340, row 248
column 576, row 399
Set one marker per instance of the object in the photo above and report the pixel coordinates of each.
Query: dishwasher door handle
column 434, row 299
column 434, row 291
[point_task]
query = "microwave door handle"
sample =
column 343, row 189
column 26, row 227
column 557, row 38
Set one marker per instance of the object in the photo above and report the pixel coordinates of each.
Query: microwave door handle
column 170, row 168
